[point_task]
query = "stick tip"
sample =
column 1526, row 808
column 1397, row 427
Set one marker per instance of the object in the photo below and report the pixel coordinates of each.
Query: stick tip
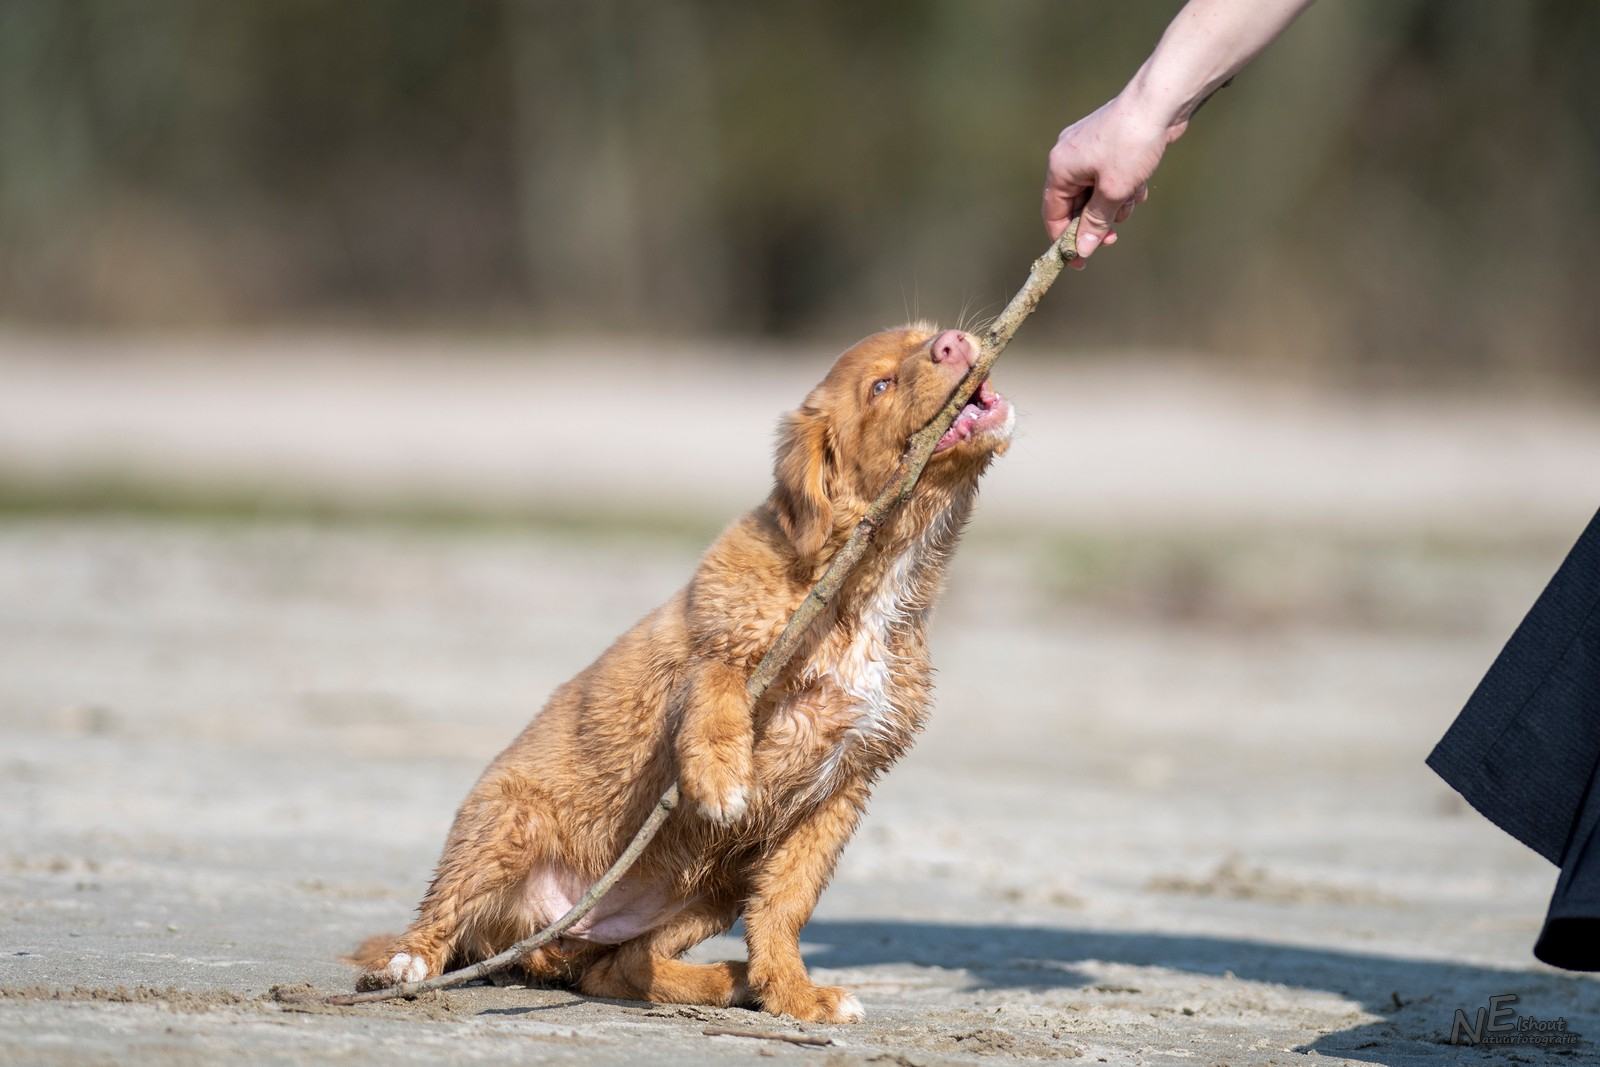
column 1067, row 243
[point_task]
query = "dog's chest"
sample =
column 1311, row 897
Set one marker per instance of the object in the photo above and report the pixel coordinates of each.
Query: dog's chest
column 867, row 670
column 863, row 693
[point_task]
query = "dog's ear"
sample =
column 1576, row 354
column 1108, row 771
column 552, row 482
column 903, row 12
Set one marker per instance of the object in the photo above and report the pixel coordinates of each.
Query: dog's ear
column 802, row 472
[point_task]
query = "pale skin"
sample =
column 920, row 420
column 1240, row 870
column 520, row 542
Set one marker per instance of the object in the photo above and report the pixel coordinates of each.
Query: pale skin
column 1101, row 165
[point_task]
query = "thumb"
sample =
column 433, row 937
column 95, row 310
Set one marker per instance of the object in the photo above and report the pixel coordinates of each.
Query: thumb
column 1095, row 222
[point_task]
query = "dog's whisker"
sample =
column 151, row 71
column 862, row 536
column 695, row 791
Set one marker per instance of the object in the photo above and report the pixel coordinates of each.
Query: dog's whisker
column 961, row 317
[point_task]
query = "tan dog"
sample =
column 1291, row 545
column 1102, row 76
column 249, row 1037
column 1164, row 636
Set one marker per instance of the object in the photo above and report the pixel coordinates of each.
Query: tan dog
column 771, row 792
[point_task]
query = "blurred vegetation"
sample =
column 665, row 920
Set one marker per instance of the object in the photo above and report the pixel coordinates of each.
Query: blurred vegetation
column 113, row 495
column 1395, row 183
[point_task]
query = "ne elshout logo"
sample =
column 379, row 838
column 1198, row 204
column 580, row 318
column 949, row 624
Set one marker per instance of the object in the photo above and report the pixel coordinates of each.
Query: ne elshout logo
column 1501, row 1024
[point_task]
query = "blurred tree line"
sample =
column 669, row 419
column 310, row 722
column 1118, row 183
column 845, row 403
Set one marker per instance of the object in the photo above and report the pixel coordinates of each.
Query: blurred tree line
column 1396, row 180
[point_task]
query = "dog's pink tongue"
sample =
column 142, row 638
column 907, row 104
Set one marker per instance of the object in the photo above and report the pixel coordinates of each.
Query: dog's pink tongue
column 961, row 429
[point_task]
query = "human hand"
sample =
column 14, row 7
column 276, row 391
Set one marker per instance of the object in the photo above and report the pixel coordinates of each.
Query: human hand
column 1100, row 169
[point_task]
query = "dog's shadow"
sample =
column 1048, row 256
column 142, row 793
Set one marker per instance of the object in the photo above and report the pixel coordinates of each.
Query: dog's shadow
column 1416, row 998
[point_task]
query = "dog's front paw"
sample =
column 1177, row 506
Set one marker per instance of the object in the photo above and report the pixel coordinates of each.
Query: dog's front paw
column 719, row 792
column 402, row 967
column 812, row 1003
column 727, row 809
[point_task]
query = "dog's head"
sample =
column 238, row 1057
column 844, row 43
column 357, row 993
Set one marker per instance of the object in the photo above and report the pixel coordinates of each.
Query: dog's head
column 838, row 449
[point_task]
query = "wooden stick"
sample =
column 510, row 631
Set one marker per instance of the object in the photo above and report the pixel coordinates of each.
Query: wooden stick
column 918, row 451
column 769, row 1035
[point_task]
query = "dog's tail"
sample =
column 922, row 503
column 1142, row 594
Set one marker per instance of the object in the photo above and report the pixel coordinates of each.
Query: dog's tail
column 372, row 953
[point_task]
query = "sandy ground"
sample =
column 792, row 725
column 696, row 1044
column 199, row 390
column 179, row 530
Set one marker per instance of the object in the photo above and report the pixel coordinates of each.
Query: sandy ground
column 1171, row 808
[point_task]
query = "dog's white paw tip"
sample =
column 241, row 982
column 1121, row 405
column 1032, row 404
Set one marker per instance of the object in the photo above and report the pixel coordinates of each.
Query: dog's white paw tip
column 850, row 1009
column 404, row 967
column 730, row 809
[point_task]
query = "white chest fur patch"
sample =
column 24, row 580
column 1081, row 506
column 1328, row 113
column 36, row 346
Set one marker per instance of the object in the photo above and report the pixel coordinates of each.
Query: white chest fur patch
column 863, row 671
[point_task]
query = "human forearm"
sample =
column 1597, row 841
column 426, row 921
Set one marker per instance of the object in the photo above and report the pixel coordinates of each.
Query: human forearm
column 1205, row 45
column 1101, row 165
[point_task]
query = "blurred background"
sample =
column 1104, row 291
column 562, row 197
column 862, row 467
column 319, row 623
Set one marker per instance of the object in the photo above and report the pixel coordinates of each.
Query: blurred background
column 365, row 368
column 312, row 249
column 1395, row 182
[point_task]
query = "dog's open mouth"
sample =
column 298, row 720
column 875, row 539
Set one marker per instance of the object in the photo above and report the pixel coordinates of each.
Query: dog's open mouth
column 986, row 411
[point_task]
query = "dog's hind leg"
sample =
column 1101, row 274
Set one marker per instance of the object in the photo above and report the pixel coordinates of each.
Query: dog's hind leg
column 647, row 967
column 562, row 962
column 471, row 908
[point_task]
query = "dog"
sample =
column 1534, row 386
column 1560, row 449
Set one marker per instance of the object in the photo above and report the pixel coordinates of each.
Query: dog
column 771, row 791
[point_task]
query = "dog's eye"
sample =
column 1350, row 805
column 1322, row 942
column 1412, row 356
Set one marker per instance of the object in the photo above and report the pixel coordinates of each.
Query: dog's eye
column 881, row 386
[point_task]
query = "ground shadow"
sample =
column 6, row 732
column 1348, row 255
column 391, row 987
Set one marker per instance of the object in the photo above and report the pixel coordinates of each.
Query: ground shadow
column 534, row 1009
column 1416, row 998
